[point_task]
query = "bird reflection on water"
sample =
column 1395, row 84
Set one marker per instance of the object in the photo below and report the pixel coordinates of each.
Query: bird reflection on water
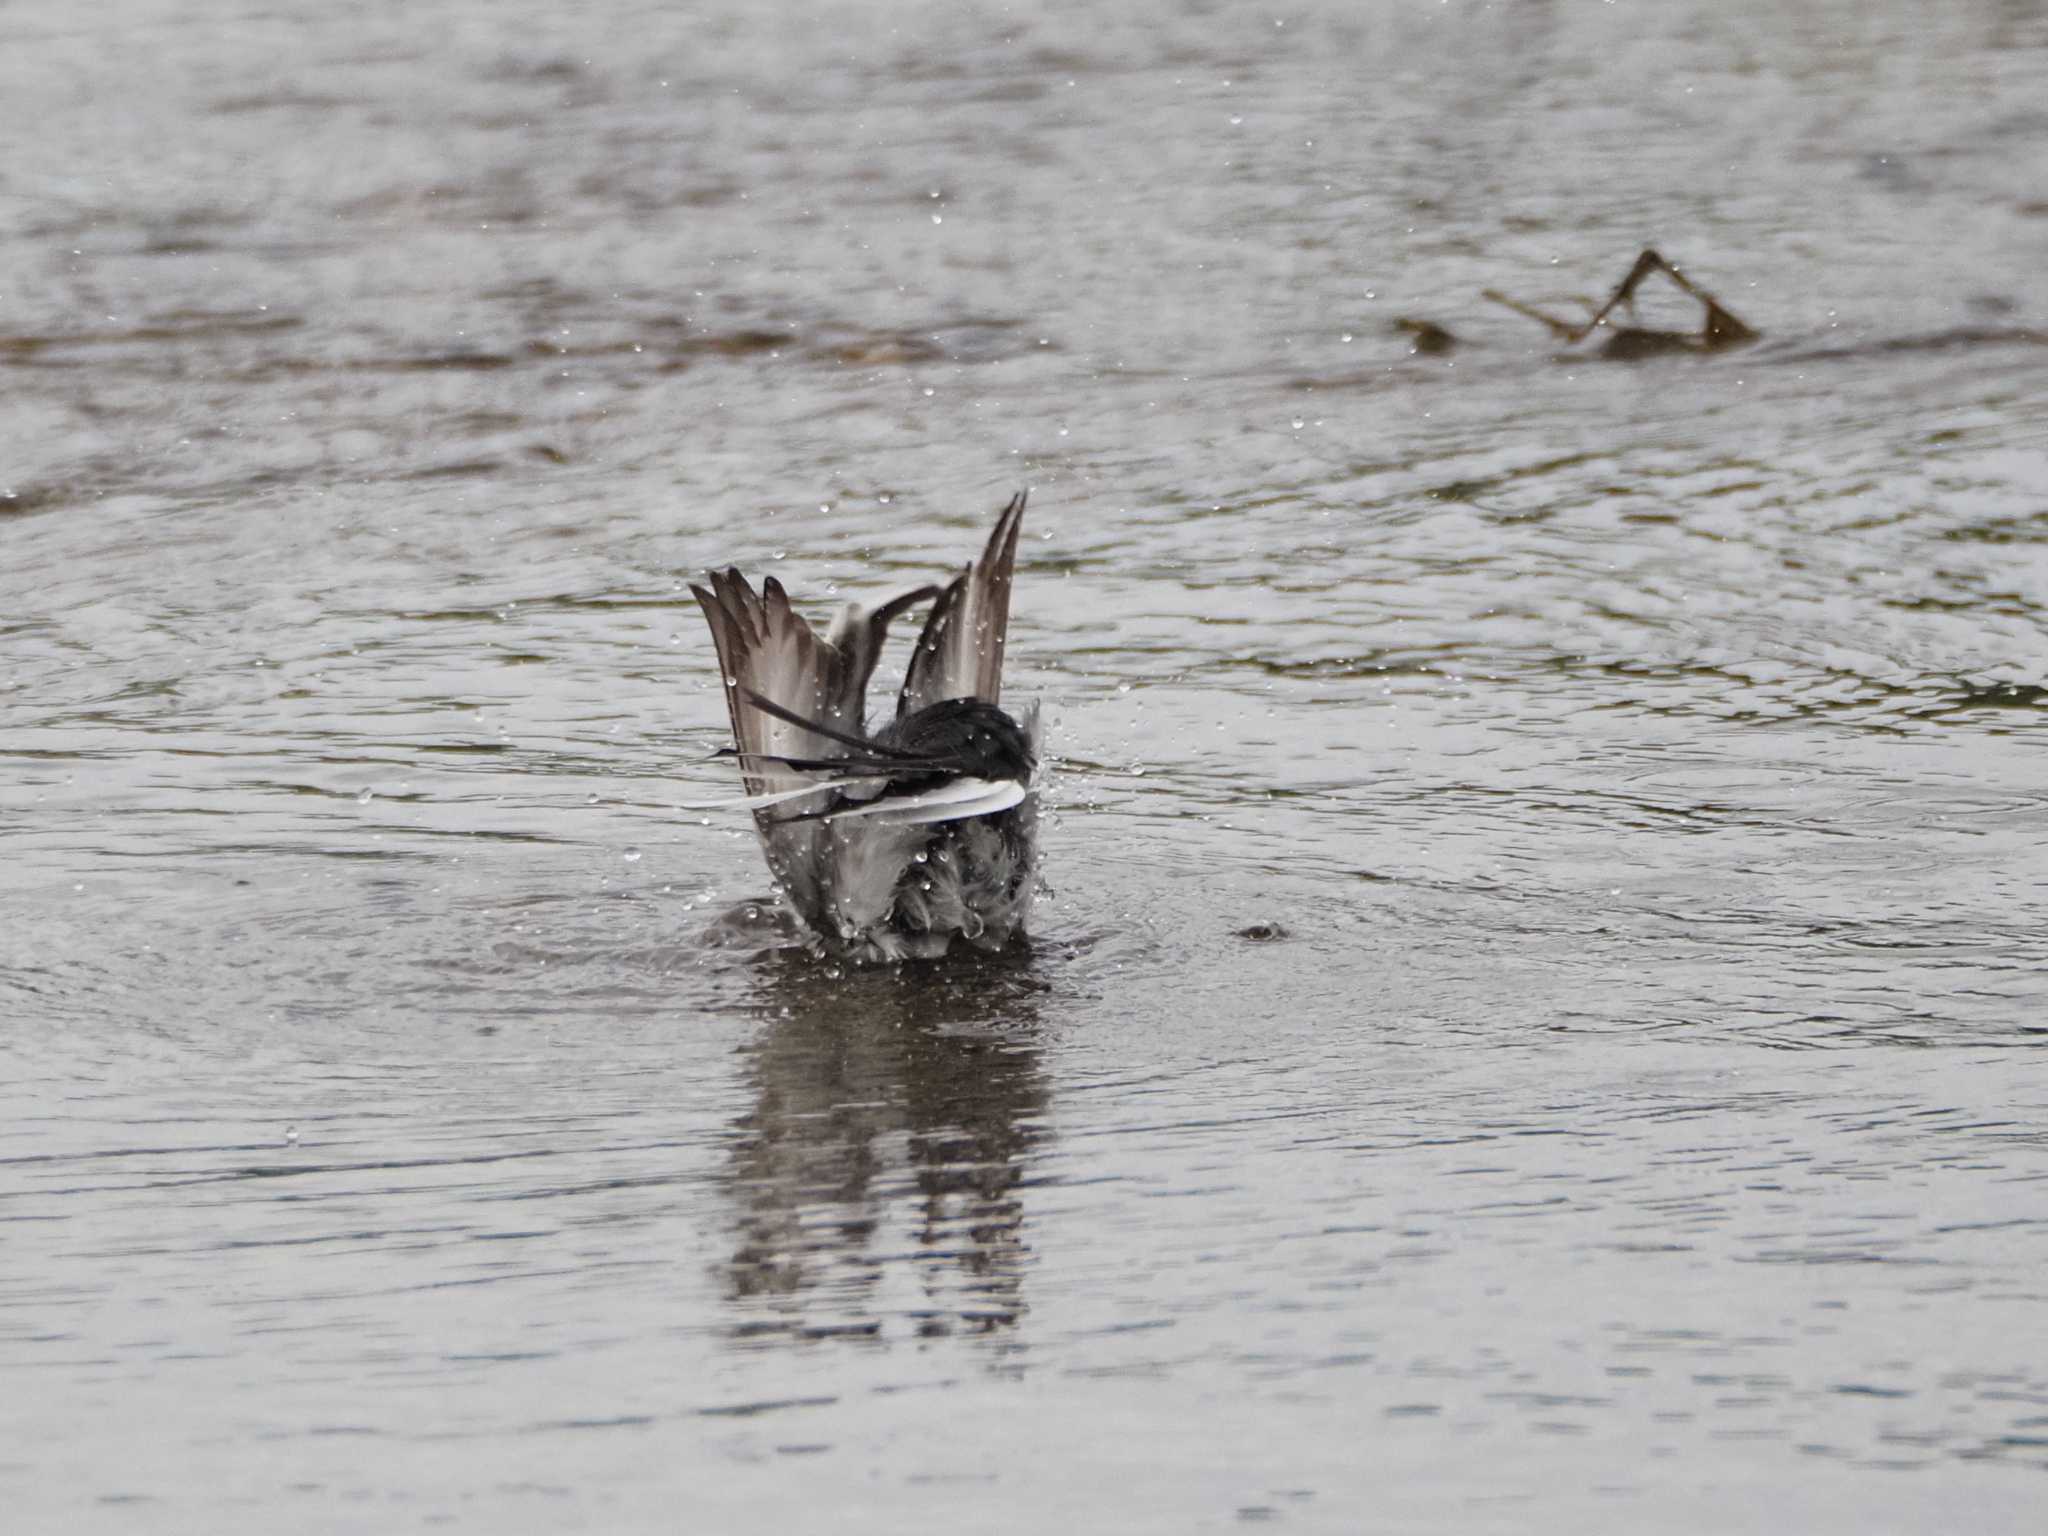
column 895, row 1112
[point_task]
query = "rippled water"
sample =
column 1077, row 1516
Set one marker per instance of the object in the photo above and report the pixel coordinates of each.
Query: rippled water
column 1537, row 1021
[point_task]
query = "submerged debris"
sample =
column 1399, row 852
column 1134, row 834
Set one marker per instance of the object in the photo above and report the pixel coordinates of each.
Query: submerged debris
column 1426, row 336
column 1719, row 329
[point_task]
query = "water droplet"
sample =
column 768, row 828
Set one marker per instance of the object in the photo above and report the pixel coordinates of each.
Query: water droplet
column 291, row 1135
column 631, row 855
column 590, row 799
column 1298, row 423
column 364, row 797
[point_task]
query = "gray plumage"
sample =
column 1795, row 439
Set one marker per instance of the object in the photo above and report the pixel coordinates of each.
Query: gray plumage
column 891, row 844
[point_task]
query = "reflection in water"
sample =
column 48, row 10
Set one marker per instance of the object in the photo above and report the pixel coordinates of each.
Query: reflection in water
column 878, row 1173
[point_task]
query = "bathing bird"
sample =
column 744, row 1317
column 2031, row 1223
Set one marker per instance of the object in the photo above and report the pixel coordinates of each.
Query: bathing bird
column 891, row 842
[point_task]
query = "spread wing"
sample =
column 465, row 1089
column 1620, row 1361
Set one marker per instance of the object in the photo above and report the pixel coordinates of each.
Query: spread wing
column 767, row 651
column 960, row 653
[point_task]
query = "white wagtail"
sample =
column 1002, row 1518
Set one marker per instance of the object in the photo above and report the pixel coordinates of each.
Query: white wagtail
column 888, row 843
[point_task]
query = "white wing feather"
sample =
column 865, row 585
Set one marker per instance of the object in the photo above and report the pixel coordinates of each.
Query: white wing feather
column 953, row 801
column 755, row 802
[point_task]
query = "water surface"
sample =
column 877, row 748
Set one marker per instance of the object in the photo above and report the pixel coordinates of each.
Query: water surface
column 1536, row 1019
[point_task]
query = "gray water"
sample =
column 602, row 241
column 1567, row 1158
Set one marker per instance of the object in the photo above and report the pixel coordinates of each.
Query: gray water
column 1536, row 1024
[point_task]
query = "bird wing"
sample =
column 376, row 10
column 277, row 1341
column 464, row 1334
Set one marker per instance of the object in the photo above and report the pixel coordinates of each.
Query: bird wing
column 790, row 694
column 960, row 653
column 768, row 652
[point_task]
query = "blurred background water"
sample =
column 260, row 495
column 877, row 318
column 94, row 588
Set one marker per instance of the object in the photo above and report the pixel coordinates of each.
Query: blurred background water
column 1537, row 1018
